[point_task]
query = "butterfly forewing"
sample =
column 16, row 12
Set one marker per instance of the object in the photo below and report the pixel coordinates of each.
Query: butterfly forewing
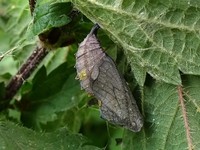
column 99, row 76
column 86, row 57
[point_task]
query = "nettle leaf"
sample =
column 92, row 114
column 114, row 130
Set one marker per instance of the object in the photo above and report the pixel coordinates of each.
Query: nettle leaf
column 159, row 37
column 192, row 95
column 51, row 15
column 17, row 137
column 164, row 124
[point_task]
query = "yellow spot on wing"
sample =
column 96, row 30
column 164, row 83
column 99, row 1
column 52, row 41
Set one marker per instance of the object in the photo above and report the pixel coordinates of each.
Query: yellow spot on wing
column 82, row 75
column 99, row 103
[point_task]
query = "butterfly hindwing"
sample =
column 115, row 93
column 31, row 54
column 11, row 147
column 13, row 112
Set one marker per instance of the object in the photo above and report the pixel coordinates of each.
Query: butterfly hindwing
column 118, row 105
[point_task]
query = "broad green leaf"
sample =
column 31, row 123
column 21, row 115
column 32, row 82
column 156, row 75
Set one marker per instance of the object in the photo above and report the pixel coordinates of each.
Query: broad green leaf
column 67, row 98
column 50, row 85
column 8, row 65
column 16, row 40
column 58, row 92
column 51, row 15
column 162, row 37
column 164, row 126
column 39, row 77
column 17, row 137
column 56, row 58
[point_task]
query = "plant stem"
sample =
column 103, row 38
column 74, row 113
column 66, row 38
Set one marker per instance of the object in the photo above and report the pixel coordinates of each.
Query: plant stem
column 32, row 6
column 25, row 71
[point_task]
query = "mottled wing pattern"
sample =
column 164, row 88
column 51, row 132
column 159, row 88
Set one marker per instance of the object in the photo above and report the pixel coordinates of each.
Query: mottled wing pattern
column 99, row 76
column 117, row 103
column 87, row 56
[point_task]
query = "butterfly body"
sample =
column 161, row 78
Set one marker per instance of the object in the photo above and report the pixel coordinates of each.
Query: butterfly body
column 99, row 76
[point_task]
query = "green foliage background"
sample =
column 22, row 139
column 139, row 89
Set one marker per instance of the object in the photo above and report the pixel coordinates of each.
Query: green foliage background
column 155, row 44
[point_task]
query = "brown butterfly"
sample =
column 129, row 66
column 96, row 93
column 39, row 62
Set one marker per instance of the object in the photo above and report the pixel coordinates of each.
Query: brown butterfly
column 99, row 77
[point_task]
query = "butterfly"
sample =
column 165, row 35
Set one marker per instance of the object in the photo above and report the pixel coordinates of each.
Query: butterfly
column 99, row 77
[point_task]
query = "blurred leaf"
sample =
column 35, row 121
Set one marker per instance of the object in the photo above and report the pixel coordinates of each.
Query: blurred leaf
column 14, row 115
column 16, row 38
column 20, row 20
column 39, row 77
column 50, row 85
column 93, row 125
column 8, row 65
column 51, row 15
column 2, row 91
column 56, row 58
column 67, row 98
column 16, row 137
column 59, row 92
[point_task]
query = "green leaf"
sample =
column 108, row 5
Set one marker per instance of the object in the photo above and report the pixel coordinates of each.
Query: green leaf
column 51, row 15
column 192, row 95
column 20, row 20
column 47, row 86
column 16, row 137
column 140, row 73
column 14, row 35
column 159, row 36
column 8, row 65
column 56, row 58
column 164, row 126
column 58, row 92
column 67, row 98
column 39, row 77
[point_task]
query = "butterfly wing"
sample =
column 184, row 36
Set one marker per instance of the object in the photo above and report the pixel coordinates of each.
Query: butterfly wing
column 99, row 76
column 118, row 105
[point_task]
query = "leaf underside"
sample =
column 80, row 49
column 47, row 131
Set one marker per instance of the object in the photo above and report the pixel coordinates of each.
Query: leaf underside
column 158, row 37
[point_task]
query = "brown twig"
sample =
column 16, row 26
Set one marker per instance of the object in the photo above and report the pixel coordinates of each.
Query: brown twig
column 32, row 6
column 185, row 118
column 25, row 71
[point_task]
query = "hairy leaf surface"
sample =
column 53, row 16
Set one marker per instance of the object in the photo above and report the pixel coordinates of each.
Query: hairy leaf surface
column 15, row 137
column 158, row 37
